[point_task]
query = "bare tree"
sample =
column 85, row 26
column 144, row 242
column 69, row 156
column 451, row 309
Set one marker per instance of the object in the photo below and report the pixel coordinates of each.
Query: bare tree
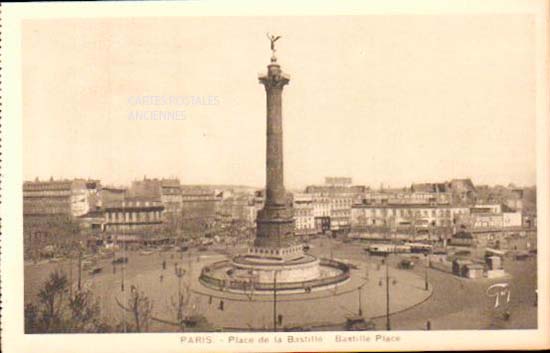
column 181, row 305
column 141, row 308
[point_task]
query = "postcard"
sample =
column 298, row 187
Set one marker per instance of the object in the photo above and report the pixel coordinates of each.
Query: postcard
column 207, row 176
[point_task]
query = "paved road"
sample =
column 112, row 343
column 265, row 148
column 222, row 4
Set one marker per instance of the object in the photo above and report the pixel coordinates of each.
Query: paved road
column 455, row 304
column 458, row 303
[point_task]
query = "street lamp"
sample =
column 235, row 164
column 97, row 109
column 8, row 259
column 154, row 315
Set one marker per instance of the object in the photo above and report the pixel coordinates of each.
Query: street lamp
column 275, row 300
column 427, row 256
column 179, row 273
column 123, row 265
column 388, row 325
column 79, row 268
column 359, row 290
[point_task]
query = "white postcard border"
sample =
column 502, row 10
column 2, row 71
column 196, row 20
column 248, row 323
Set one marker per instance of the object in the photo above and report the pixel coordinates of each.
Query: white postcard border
column 13, row 339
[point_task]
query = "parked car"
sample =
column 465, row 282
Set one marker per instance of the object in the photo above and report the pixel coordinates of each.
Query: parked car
column 358, row 323
column 297, row 328
column 522, row 255
column 463, row 253
column 406, row 264
column 183, row 248
column 95, row 270
column 120, row 260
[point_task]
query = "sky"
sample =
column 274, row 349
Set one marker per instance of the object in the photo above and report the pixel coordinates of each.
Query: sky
column 382, row 99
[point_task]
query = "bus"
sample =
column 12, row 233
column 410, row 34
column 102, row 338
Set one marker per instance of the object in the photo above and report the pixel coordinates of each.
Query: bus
column 420, row 248
column 385, row 249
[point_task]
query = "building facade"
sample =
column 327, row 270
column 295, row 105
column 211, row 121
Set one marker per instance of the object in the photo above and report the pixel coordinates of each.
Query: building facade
column 303, row 215
column 59, row 197
column 367, row 215
column 334, row 201
column 201, row 207
column 135, row 219
column 171, row 197
column 167, row 191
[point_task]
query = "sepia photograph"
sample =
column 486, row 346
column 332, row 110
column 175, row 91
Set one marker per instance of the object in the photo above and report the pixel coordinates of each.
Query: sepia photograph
column 275, row 178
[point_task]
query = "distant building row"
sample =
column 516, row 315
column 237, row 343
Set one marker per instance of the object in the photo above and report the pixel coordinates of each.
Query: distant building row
column 336, row 206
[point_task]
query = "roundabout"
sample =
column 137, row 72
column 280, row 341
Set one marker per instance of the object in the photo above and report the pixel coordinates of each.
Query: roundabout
column 365, row 291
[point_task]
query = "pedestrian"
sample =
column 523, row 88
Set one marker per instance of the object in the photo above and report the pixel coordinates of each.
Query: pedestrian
column 428, row 325
column 164, row 264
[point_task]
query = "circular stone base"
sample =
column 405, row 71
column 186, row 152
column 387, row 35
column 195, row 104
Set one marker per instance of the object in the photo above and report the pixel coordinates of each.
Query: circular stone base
column 261, row 270
column 245, row 274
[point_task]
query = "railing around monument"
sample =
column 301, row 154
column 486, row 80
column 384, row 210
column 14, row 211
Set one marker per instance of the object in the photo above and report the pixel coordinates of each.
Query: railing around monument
column 208, row 279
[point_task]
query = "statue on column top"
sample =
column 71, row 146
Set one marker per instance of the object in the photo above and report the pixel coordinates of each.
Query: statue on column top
column 273, row 38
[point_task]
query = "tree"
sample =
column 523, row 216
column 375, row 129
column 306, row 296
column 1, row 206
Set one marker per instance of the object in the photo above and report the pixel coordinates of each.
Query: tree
column 141, row 307
column 84, row 310
column 61, row 232
column 181, row 306
column 31, row 318
column 51, row 299
column 59, row 312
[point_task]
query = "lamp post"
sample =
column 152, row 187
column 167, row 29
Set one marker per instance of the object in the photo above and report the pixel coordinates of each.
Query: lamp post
column 79, row 267
column 275, row 301
column 388, row 325
column 427, row 256
column 179, row 273
column 71, row 270
column 394, row 232
column 380, row 283
column 123, row 265
column 360, row 311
